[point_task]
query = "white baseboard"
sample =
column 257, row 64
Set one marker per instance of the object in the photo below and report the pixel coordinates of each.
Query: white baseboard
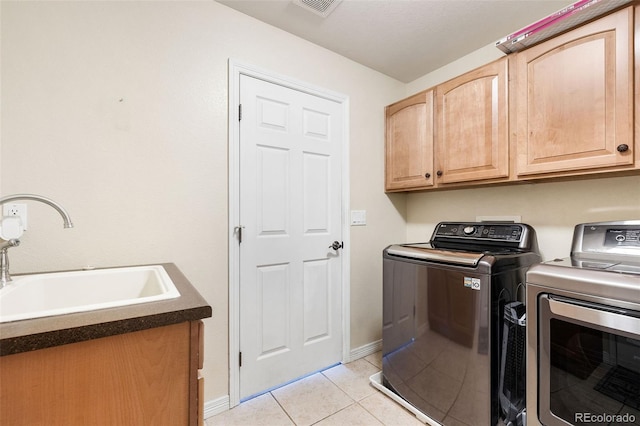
column 366, row 350
column 216, row 406
column 220, row 405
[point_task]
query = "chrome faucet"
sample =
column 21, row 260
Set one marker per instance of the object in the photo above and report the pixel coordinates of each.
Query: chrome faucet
column 5, row 277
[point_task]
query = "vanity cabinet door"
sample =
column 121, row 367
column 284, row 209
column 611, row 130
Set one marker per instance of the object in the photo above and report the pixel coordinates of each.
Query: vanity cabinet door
column 409, row 143
column 575, row 100
column 140, row 378
column 472, row 132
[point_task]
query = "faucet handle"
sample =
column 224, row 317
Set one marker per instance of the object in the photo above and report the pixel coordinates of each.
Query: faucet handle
column 11, row 228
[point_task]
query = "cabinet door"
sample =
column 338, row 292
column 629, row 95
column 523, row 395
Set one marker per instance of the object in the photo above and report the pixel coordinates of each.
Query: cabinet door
column 137, row 378
column 472, row 134
column 409, row 143
column 575, row 99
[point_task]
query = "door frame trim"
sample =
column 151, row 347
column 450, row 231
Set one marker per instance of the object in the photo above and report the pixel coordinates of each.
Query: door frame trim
column 236, row 69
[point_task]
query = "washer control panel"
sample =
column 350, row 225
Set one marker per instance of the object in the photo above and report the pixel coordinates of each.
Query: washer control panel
column 508, row 232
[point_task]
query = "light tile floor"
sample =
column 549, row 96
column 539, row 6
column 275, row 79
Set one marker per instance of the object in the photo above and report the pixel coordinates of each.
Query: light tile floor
column 340, row 396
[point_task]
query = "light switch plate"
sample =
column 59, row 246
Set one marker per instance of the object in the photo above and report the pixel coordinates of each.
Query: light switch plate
column 358, row 217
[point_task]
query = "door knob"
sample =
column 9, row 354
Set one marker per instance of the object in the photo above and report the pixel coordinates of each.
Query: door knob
column 336, row 245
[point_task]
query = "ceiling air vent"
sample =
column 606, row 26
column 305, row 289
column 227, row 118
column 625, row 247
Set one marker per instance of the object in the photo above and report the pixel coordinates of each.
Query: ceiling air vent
column 319, row 7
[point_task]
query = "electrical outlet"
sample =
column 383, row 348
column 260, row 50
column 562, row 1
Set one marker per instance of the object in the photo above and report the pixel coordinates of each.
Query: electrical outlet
column 16, row 209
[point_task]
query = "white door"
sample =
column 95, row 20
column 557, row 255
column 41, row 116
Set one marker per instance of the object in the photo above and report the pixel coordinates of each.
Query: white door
column 291, row 213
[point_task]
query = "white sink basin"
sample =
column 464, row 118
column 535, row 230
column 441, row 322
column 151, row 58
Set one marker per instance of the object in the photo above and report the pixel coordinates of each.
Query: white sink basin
column 57, row 293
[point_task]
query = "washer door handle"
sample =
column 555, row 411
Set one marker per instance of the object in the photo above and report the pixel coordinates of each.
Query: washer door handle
column 592, row 315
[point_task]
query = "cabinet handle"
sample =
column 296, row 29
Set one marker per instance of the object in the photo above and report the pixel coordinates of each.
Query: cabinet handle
column 623, row 147
column 427, row 175
column 439, row 172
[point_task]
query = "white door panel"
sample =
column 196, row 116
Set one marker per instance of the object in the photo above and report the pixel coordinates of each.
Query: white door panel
column 291, row 211
column 317, row 301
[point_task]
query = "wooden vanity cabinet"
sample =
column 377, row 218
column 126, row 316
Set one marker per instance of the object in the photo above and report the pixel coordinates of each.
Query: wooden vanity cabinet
column 409, row 143
column 148, row 377
column 575, row 100
column 472, row 129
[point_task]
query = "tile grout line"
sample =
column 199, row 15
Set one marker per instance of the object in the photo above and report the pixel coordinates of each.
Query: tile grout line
column 355, row 402
column 352, row 399
column 282, row 408
column 363, row 407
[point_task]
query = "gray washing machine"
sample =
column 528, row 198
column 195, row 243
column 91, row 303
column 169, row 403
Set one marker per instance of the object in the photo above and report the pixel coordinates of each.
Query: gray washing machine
column 453, row 335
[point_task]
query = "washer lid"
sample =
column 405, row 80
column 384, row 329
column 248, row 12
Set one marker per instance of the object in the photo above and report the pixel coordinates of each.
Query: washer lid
column 425, row 251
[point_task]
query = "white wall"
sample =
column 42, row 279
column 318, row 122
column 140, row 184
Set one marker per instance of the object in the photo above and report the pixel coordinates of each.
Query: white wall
column 467, row 63
column 118, row 110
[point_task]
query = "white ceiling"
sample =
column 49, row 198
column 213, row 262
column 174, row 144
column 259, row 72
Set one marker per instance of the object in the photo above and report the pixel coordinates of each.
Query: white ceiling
column 404, row 39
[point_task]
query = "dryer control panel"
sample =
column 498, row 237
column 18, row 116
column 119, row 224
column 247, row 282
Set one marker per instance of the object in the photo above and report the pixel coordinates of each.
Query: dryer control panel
column 607, row 240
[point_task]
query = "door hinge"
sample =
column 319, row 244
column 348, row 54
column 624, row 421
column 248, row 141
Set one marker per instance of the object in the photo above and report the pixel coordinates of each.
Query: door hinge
column 240, row 359
column 240, row 112
column 238, row 231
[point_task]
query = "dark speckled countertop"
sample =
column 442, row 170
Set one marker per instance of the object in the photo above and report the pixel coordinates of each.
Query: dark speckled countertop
column 39, row 333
